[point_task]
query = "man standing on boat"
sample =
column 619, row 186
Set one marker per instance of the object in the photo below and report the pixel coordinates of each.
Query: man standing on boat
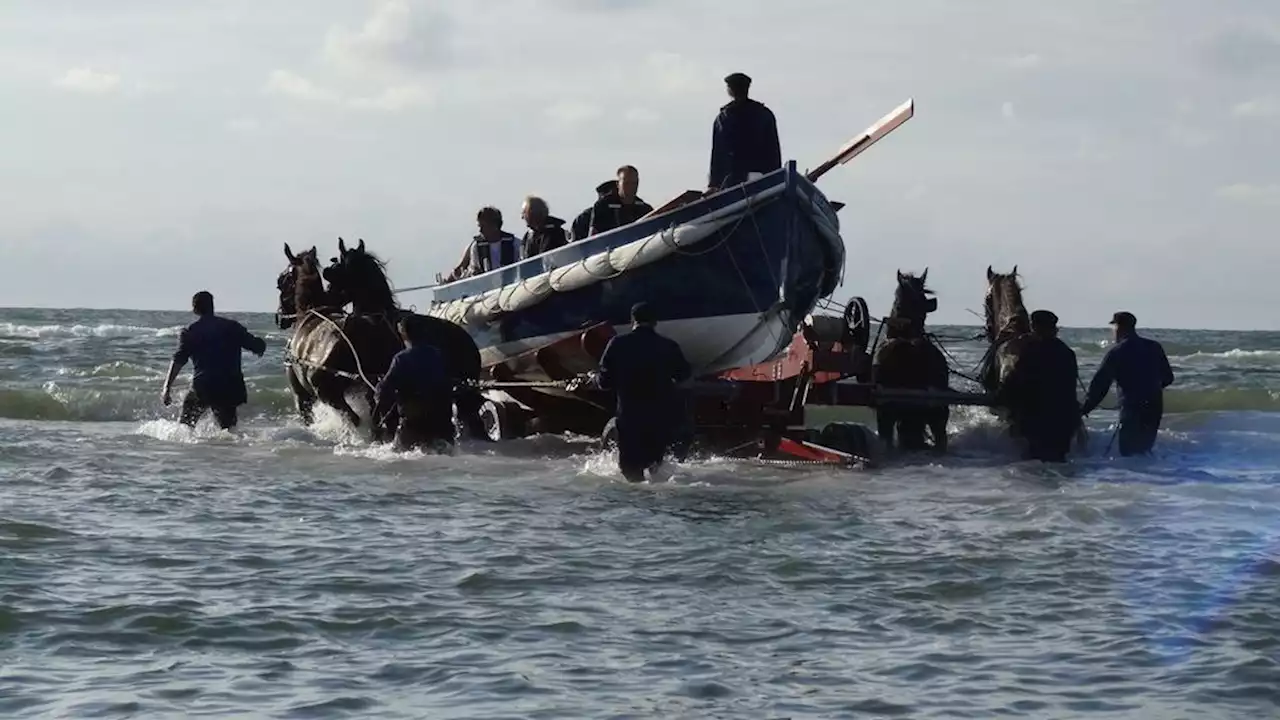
column 489, row 250
column 621, row 207
column 744, row 138
column 545, row 233
column 1040, row 391
column 581, row 226
column 213, row 346
column 1141, row 369
column 643, row 369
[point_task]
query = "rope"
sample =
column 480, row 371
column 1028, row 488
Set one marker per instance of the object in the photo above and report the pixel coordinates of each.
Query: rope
column 354, row 353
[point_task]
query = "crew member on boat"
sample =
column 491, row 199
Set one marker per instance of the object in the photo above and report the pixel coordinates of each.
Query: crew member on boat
column 546, row 233
column 744, row 138
column 491, row 249
column 1140, row 367
column 621, row 207
column 213, row 346
column 581, row 226
column 414, row 399
column 1040, row 391
column 643, row 368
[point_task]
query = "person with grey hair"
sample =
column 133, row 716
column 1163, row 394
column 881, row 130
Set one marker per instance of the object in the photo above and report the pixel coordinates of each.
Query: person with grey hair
column 546, row 233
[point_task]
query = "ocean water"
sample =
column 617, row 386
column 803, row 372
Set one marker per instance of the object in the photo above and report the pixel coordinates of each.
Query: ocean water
column 300, row 572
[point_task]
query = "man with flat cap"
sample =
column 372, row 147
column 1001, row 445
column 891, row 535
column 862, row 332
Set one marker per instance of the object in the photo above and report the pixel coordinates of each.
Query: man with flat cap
column 744, row 138
column 582, row 224
column 643, row 369
column 1141, row 369
column 1040, row 392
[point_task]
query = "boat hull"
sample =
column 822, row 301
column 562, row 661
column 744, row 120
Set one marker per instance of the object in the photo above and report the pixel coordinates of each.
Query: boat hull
column 729, row 277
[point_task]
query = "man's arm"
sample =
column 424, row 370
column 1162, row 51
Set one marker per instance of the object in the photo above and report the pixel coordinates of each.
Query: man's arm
column 180, row 358
column 719, row 169
column 680, row 370
column 771, row 143
column 1101, row 383
column 251, row 342
column 608, row 367
column 461, row 267
column 385, row 394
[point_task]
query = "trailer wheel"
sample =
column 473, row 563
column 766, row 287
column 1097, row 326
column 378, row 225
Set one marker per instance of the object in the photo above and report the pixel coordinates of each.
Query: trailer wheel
column 857, row 323
column 853, row 438
column 609, row 436
column 502, row 421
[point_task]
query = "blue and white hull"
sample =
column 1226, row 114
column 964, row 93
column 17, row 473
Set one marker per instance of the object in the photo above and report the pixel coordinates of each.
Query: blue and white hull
column 729, row 276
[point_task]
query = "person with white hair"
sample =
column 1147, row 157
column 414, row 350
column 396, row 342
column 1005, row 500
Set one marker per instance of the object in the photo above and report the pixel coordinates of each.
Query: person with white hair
column 546, row 233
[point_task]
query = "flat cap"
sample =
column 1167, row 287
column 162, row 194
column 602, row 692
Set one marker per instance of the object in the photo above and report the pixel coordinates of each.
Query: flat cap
column 607, row 186
column 1124, row 319
column 1044, row 318
column 737, row 79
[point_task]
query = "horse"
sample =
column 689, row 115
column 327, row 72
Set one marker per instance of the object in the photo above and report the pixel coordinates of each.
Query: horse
column 1008, row 330
column 329, row 353
column 359, row 277
column 909, row 359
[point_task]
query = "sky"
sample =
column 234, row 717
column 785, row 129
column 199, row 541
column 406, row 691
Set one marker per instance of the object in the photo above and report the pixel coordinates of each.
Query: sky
column 1124, row 154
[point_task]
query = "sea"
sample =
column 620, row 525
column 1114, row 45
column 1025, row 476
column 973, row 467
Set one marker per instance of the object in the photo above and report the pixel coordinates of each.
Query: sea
column 285, row 571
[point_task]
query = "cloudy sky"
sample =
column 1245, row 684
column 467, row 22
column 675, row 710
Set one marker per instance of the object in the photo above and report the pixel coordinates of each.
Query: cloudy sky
column 1123, row 153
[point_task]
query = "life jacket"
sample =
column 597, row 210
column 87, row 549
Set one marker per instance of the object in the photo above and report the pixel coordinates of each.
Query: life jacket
column 508, row 252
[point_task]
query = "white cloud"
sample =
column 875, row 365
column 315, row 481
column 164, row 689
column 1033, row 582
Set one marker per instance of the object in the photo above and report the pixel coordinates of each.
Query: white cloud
column 397, row 97
column 87, row 80
column 643, row 116
column 676, row 73
column 397, row 37
column 244, row 125
column 1189, row 137
column 1025, row 62
column 1251, row 194
column 1257, row 107
column 1007, row 112
column 293, row 85
column 572, row 113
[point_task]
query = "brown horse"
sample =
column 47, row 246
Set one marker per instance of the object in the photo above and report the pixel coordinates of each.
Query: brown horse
column 1008, row 327
column 909, row 359
column 329, row 354
column 359, row 277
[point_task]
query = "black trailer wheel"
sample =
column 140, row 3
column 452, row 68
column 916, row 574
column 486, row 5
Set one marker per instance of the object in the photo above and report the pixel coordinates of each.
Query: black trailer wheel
column 502, row 421
column 857, row 324
column 609, row 436
column 853, row 438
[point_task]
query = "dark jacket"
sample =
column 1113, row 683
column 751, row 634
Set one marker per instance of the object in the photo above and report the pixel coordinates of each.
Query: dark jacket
column 213, row 346
column 1041, row 388
column 744, row 139
column 610, row 212
column 642, row 368
column 581, row 226
column 1141, row 369
column 416, row 384
column 544, row 239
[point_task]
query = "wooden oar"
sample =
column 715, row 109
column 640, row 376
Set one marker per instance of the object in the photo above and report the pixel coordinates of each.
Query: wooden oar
column 871, row 136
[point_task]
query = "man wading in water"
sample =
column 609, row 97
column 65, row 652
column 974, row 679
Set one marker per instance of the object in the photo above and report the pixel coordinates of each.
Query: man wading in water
column 213, row 346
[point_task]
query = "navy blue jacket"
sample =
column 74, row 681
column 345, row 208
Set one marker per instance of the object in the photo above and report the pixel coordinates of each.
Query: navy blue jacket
column 744, row 139
column 1140, row 368
column 545, row 239
column 415, row 380
column 643, row 367
column 213, row 346
column 1041, row 388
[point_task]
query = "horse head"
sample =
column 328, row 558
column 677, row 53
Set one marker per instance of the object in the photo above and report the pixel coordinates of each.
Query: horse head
column 360, row 277
column 287, row 284
column 912, row 301
column 1004, row 311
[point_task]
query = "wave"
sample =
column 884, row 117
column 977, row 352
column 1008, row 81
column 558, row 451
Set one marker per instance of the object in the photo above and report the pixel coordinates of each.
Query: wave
column 104, row 330
column 55, row 403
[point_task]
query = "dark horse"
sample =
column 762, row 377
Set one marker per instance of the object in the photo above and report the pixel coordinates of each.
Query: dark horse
column 329, row 353
column 1008, row 327
column 359, row 277
column 909, row 359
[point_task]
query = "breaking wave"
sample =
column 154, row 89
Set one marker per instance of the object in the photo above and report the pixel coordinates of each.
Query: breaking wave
column 104, row 330
column 57, row 403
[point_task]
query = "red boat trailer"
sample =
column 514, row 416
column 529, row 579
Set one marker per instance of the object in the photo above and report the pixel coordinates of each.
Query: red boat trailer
column 756, row 412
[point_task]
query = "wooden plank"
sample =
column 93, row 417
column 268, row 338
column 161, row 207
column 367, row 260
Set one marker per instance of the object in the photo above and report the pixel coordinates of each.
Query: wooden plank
column 869, row 137
column 682, row 199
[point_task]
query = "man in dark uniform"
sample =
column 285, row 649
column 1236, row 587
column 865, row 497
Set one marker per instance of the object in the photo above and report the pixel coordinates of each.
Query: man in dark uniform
column 213, row 346
column 414, row 399
column 581, row 226
column 1141, row 369
column 643, row 368
column 491, row 249
column 545, row 233
column 1040, row 391
column 744, row 138
column 622, row 207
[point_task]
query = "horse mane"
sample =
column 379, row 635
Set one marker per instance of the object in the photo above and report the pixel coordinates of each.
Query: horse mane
column 366, row 276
